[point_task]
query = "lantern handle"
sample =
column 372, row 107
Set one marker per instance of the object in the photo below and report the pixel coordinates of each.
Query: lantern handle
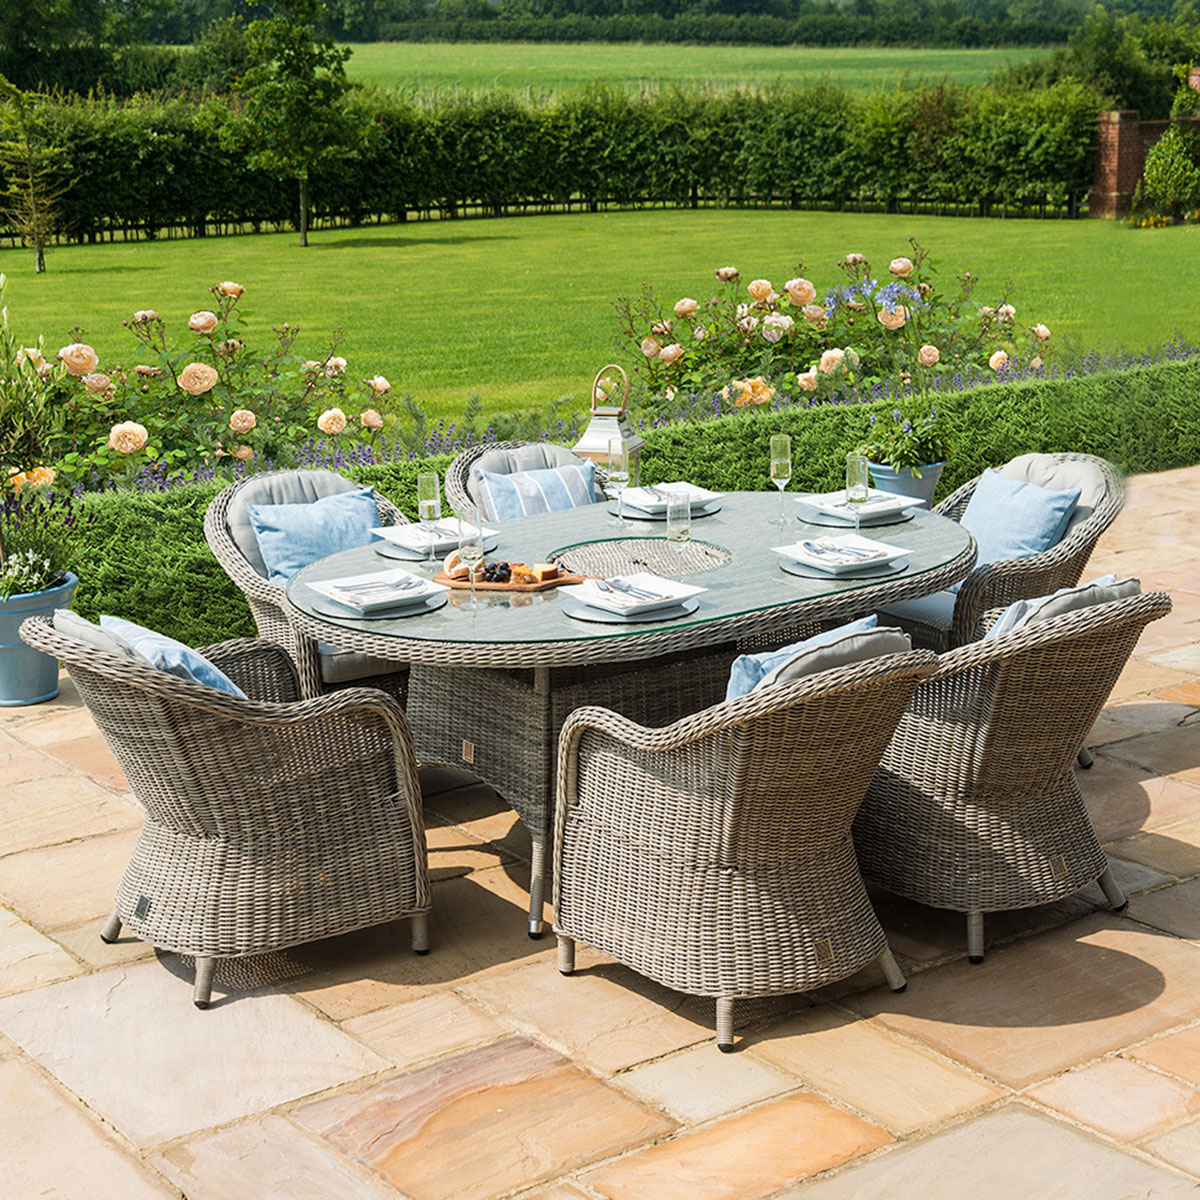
column 600, row 375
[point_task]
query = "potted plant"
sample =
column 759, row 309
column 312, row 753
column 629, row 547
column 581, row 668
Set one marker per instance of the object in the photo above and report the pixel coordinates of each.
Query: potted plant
column 906, row 454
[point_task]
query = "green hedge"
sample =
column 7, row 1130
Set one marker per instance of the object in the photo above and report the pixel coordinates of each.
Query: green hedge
column 147, row 559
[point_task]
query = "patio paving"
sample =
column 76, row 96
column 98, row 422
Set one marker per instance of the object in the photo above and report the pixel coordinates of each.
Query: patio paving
column 1066, row 1065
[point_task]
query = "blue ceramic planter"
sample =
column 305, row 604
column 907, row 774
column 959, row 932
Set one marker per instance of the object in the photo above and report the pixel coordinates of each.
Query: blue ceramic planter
column 27, row 676
column 904, row 483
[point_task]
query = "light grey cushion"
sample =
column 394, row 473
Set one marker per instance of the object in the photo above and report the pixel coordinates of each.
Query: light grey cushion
column 1052, row 473
column 278, row 487
column 80, row 628
column 1103, row 590
column 936, row 611
column 344, row 666
column 534, row 456
column 851, row 647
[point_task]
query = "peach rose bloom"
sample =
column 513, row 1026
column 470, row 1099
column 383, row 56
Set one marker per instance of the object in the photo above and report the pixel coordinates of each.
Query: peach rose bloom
column 748, row 324
column 331, row 421
column 34, row 477
column 701, row 333
column 651, row 348
column 147, row 372
column 231, row 346
column 893, row 318
column 335, row 367
column 998, row 361
column 761, row 290
column 727, row 274
column 856, row 259
column 242, row 453
column 830, row 361
column 901, row 267
column 370, row 419
column 229, row 288
column 127, row 438
column 670, row 353
column 79, row 358
column 1006, row 312
column 242, row 420
column 311, row 365
column 929, row 356
column 97, row 383
column 661, row 329
column 379, row 384
column 686, row 306
column 1035, row 363
column 807, row 381
column 144, row 316
column 203, row 321
column 800, row 291
column 197, row 378
column 1040, row 332
column 814, row 314
column 33, row 356
column 985, row 311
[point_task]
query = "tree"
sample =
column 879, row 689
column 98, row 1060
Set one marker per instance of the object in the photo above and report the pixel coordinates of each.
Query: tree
column 293, row 120
column 32, row 170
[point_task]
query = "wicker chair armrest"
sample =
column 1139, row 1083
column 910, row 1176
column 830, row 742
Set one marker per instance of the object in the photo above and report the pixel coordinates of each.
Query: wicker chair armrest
column 262, row 669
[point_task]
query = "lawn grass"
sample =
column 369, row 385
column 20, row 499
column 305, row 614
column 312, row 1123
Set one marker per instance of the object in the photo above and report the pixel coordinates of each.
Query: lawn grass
column 520, row 310
column 540, row 68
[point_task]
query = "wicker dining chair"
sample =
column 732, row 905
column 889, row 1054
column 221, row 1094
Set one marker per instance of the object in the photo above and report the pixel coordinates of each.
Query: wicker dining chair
column 269, row 821
column 948, row 619
column 975, row 807
column 714, row 855
column 504, row 458
column 231, row 537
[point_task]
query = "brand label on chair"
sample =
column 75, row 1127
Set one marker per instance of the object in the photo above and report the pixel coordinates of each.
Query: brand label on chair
column 468, row 751
column 142, row 907
column 825, row 951
column 1058, row 867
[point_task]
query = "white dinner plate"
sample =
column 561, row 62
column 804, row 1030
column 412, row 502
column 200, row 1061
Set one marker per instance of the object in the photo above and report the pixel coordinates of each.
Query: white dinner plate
column 573, row 607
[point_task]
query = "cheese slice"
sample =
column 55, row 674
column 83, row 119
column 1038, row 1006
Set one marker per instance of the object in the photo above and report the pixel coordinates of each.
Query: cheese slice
column 543, row 571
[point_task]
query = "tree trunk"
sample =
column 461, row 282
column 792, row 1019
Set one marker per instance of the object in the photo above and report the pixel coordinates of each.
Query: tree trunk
column 39, row 257
column 303, row 211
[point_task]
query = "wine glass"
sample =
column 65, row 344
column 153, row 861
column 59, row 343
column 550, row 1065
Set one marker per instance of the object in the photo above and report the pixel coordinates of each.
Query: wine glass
column 429, row 507
column 470, row 547
column 618, row 473
column 858, row 488
column 679, row 522
column 781, row 469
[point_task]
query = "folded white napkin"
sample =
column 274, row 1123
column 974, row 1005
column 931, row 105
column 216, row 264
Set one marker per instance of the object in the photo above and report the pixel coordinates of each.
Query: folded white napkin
column 654, row 498
column 377, row 589
column 877, row 504
column 416, row 537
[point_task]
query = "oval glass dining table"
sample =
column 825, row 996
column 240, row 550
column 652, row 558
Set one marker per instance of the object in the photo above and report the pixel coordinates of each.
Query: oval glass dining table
column 489, row 689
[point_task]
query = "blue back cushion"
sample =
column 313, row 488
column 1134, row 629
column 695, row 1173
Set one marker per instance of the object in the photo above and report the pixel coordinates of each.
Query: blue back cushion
column 291, row 536
column 524, row 493
column 1013, row 519
column 170, row 656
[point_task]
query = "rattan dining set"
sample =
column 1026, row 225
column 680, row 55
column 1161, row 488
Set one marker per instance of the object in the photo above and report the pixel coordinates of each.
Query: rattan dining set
column 722, row 848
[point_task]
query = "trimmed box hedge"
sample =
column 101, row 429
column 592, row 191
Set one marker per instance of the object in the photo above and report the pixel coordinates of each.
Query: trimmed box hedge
column 147, row 560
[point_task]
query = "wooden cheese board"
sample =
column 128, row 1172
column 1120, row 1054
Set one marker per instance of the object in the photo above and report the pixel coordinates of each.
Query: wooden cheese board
column 546, row 584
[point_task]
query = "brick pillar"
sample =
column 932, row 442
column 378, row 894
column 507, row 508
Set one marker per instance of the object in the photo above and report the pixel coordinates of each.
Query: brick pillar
column 1120, row 157
column 1194, row 79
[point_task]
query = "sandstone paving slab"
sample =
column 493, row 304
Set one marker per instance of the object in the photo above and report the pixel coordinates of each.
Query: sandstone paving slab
column 268, row 1159
column 1140, row 677
column 131, row 1045
column 1053, row 1001
column 1008, row 1154
column 1178, row 576
column 749, row 1155
column 697, row 1084
column 1177, row 1053
column 1184, row 693
column 482, row 1123
column 45, row 725
column 1174, row 849
column 1175, row 909
column 43, row 812
column 1165, row 751
column 92, row 756
column 84, row 942
column 1120, row 1098
column 19, row 765
column 561, row 1191
column 477, row 924
column 1123, row 799
column 454, row 851
column 1146, row 714
column 481, row 812
column 893, row 1082
column 1181, row 1147
column 434, row 1025
column 62, row 886
column 29, row 959
column 607, row 1015
column 76, row 1161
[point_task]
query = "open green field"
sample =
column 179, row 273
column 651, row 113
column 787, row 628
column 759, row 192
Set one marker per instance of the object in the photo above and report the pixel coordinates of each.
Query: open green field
column 541, row 67
column 520, row 310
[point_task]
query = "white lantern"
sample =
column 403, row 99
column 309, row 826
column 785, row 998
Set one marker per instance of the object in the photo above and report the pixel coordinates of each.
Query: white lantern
column 609, row 421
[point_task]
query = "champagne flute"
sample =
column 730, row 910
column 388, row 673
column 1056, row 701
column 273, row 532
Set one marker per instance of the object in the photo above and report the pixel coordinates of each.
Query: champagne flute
column 679, row 522
column 429, row 507
column 781, row 469
column 470, row 547
column 858, row 488
column 618, row 473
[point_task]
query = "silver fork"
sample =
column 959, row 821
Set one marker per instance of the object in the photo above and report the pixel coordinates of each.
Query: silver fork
column 627, row 589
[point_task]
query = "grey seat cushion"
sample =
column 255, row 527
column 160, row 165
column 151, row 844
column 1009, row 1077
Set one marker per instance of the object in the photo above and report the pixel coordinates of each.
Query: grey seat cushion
column 854, row 646
column 535, row 456
column 278, row 487
column 1049, row 472
column 344, row 666
column 83, row 630
column 936, row 611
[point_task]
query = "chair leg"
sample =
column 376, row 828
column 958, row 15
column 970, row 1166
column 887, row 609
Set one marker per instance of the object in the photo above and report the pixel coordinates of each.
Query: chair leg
column 537, row 886
column 420, row 933
column 724, row 1024
column 566, row 955
column 1084, row 758
column 202, row 992
column 1112, row 893
column 975, row 936
column 112, row 928
column 891, row 972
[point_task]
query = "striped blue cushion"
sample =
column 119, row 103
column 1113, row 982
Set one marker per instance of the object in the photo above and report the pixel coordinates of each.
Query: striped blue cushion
column 524, row 493
column 171, row 656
